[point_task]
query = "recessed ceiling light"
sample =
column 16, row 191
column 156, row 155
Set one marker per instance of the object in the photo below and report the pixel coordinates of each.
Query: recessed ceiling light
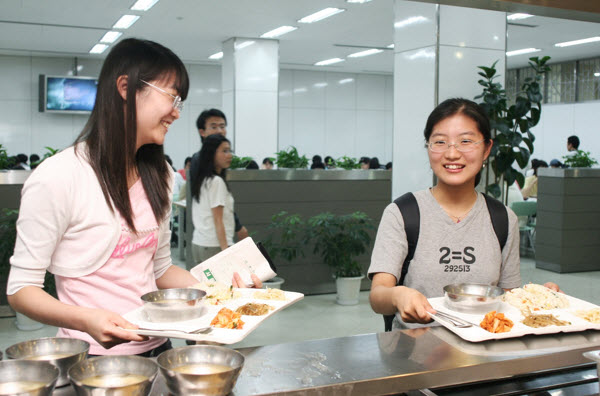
column 110, row 37
column 578, row 42
column 143, row 5
column 216, row 56
column 368, row 52
column 280, row 31
column 522, row 51
column 517, row 16
column 410, row 21
column 320, row 85
column 126, row 21
column 329, row 61
column 357, row 1
column 345, row 81
column 98, row 48
column 319, row 15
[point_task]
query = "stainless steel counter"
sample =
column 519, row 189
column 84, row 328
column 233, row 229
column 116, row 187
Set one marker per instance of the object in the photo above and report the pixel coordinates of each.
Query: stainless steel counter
column 390, row 363
column 308, row 174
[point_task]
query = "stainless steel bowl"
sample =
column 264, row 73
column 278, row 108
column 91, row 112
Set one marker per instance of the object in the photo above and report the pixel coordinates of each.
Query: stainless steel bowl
column 27, row 378
column 114, row 376
column 200, row 369
column 173, row 305
column 473, row 298
column 61, row 352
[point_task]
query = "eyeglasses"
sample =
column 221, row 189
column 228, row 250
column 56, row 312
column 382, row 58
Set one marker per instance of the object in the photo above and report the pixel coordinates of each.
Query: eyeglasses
column 464, row 146
column 177, row 102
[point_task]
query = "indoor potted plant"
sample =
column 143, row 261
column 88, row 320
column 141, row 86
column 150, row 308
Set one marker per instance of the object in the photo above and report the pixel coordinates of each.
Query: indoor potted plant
column 291, row 159
column 339, row 240
column 581, row 159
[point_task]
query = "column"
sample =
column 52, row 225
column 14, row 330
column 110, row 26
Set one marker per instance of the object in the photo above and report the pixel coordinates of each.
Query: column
column 437, row 49
column 250, row 84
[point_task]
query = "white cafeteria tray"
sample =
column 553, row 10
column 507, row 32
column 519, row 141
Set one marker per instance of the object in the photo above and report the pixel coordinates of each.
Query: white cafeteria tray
column 477, row 334
column 217, row 335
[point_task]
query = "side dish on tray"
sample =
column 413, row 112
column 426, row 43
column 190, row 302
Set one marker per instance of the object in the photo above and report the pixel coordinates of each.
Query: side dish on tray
column 217, row 292
column 270, row 294
column 227, row 319
column 254, row 309
column 591, row 315
column 543, row 320
column 495, row 322
column 533, row 297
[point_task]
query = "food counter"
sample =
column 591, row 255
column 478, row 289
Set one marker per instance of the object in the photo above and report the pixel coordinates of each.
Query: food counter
column 402, row 361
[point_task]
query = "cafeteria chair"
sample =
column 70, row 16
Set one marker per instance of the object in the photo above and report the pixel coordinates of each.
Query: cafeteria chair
column 527, row 209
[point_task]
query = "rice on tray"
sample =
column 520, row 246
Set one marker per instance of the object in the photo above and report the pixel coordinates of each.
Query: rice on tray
column 533, row 297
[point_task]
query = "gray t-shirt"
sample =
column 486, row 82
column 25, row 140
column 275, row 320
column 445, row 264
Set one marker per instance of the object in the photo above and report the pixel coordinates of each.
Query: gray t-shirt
column 447, row 252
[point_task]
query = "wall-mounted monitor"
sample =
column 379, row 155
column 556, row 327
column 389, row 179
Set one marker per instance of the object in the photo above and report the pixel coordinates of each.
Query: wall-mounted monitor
column 67, row 94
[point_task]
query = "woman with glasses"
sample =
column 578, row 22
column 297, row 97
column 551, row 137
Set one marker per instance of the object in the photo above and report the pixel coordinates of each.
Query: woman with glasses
column 212, row 202
column 96, row 215
column 456, row 240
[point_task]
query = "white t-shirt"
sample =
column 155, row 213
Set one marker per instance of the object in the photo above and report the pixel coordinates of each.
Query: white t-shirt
column 213, row 193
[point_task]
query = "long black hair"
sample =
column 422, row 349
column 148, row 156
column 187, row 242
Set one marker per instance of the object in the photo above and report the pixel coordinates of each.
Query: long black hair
column 469, row 109
column 204, row 168
column 111, row 132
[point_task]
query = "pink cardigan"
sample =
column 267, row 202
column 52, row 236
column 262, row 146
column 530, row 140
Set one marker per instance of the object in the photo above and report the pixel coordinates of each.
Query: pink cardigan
column 65, row 225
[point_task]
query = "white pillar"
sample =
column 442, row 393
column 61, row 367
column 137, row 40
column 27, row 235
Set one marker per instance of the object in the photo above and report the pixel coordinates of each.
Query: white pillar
column 250, row 84
column 437, row 49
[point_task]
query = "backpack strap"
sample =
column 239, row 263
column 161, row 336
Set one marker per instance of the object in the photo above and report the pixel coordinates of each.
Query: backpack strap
column 499, row 217
column 407, row 204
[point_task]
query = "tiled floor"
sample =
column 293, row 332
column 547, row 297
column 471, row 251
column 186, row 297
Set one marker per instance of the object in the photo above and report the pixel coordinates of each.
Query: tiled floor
column 320, row 317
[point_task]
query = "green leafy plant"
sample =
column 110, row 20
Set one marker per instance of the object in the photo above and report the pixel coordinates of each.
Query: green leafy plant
column 291, row 159
column 581, row 159
column 339, row 240
column 511, row 125
column 5, row 161
column 284, row 239
column 347, row 163
column 239, row 162
column 49, row 153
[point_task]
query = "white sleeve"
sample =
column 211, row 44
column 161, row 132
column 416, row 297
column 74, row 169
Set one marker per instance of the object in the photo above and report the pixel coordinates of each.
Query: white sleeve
column 217, row 192
column 391, row 247
column 510, row 272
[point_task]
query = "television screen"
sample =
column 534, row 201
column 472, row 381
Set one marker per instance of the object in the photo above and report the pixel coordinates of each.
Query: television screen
column 68, row 94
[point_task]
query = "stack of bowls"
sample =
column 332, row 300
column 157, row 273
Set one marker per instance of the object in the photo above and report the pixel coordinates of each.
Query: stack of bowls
column 113, row 375
column 174, row 305
column 200, row 369
column 27, row 378
column 61, row 352
column 473, row 298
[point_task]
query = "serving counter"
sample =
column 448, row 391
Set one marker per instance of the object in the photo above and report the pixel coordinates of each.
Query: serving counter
column 429, row 359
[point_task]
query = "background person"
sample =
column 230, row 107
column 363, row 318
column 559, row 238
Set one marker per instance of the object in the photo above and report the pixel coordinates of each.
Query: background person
column 364, row 162
column 96, row 215
column 530, row 187
column 267, row 163
column 453, row 218
column 572, row 145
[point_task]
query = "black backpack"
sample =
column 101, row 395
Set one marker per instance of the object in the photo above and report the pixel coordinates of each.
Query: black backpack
column 412, row 219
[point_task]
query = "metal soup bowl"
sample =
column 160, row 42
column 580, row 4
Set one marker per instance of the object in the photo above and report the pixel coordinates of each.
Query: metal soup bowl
column 61, row 352
column 473, row 298
column 114, row 375
column 201, row 369
column 174, row 305
column 27, row 378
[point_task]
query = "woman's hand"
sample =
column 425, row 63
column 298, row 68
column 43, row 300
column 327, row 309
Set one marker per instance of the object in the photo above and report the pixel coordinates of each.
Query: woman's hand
column 553, row 286
column 238, row 282
column 412, row 305
column 107, row 328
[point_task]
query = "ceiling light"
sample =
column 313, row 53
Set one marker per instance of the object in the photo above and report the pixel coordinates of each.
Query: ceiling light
column 110, row 37
column 244, row 44
column 522, row 51
column 126, row 21
column 517, row 16
column 143, row 5
column 596, row 74
column 357, row 1
column 280, row 31
column 577, row 42
column 98, row 48
column 216, row 56
column 345, row 81
column 409, row 21
column 390, row 46
column 329, row 62
column 368, row 52
column 320, row 85
column 422, row 53
column 317, row 16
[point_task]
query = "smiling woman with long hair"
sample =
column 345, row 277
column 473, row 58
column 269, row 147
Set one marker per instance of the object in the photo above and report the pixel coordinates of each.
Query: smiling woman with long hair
column 97, row 214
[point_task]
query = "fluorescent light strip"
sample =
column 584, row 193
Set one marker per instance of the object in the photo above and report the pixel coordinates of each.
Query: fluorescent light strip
column 410, row 21
column 390, row 46
column 110, row 37
column 216, row 56
column 357, row 1
column 522, row 51
column 345, row 81
column 319, row 15
column 329, row 61
column 596, row 74
column 518, row 16
column 368, row 52
column 126, row 21
column 578, row 42
column 280, row 31
column 143, row 5
column 98, row 48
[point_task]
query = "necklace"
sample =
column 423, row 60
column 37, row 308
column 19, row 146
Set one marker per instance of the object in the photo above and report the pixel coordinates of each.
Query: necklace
column 455, row 218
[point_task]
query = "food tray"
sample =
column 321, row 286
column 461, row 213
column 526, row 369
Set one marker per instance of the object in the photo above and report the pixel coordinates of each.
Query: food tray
column 217, row 335
column 477, row 334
